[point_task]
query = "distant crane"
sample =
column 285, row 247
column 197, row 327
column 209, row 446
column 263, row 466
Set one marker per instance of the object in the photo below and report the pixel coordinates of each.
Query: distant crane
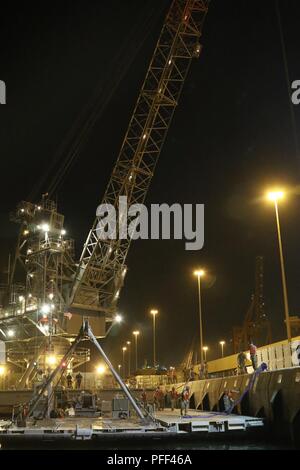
column 256, row 323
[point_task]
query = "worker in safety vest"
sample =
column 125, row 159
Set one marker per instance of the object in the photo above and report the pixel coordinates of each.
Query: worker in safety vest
column 161, row 397
column 253, row 355
column 185, row 401
column 69, row 411
column 69, row 381
column 227, row 400
column 192, row 374
column 78, row 380
column 173, row 397
column 144, row 398
column 156, row 397
column 241, row 362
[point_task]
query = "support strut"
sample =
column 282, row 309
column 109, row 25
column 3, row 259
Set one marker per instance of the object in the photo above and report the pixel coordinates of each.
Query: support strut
column 114, row 372
column 86, row 333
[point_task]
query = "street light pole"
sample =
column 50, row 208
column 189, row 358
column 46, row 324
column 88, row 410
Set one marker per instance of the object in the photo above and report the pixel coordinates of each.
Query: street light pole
column 199, row 274
column 154, row 312
column 222, row 343
column 284, row 288
column 129, row 357
column 124, row 349
column 205, row 349
column 154, row 345
column 136, row 333
column 275, row 196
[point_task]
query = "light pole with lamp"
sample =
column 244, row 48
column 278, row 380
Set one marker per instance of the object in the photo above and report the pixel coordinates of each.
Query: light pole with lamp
column 200, row 273
column 136, row 334
column 129, row 357
column 205, row 349
column 154, row 312
column 275, row 197
column 222, row 344
column 124, row 349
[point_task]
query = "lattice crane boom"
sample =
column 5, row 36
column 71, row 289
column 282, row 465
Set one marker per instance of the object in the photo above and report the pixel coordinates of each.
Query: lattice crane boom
column 100, row 273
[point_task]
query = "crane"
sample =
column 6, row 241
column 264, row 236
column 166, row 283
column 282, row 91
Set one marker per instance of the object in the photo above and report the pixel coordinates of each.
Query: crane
column 256, row 321
column 101, row 270
column 56, row 286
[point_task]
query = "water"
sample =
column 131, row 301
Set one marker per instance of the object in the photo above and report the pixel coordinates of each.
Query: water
column 163, row 445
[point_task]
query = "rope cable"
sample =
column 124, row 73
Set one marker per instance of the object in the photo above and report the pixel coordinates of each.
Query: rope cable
column 80, row 131
column 97, row 112
column 287, row 77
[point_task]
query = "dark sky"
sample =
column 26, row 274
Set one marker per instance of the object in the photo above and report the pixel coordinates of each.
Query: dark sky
column 230, row 139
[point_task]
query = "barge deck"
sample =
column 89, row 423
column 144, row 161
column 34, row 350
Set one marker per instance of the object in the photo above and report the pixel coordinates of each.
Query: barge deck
column 166, row 424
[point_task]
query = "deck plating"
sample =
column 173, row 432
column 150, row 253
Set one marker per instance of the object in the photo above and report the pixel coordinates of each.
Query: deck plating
column 166, row 424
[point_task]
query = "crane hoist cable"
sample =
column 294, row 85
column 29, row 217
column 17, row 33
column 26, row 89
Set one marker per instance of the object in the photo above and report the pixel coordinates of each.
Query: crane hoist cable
column 287, row 77
column 70, row 148
column 101, row 270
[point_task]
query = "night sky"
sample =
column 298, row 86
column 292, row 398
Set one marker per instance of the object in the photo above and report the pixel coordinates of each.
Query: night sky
column 232, row 137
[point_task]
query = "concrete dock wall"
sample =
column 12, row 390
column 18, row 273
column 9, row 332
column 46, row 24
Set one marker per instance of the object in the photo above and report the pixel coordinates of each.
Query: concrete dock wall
column 275, row 396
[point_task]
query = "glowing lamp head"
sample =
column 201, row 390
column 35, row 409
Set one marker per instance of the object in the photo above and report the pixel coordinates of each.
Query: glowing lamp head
column 45, row 309
column 124, row 349
column 205, row 348
column 45, row 228
column 2, row 370
column 101, row 370
column 199, row 272
column 118, row 318
column 154, row 311
column 275, row 196
column 222, row 343
column 51, row 360
column 135, row 333
column 10, row 333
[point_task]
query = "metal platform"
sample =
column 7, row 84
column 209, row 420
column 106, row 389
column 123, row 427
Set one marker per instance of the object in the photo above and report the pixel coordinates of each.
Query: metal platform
column 207, row 422
column 80, row 429
column 167, row 424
